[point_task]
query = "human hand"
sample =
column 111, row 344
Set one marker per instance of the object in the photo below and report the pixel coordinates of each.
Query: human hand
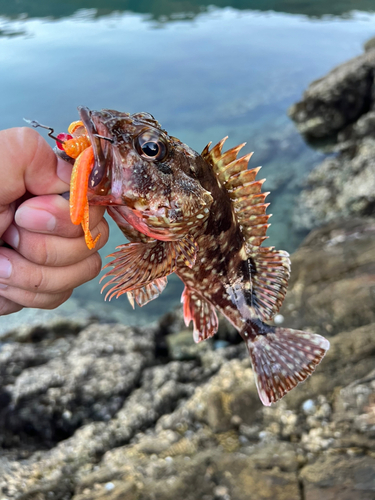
column 49, row 256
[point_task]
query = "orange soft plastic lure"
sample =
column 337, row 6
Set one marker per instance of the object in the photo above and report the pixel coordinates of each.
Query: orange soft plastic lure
column 79, row 205
column 77, row 145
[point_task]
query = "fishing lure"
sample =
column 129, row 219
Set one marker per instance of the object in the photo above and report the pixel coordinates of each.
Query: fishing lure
column 77, row 145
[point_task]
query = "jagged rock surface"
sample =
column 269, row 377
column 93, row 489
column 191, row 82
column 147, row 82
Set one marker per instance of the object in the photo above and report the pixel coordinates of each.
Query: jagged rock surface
column 97, row 414
column 340, row 108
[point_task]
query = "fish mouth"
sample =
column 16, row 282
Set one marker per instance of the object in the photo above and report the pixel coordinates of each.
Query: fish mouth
column 101, row 181
column 99, row 169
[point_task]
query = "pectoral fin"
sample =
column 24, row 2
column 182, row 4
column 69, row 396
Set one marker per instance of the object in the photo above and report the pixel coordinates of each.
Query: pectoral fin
column 138, row 265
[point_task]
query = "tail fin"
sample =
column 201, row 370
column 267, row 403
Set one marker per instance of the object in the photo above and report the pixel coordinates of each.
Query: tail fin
column 282, row 358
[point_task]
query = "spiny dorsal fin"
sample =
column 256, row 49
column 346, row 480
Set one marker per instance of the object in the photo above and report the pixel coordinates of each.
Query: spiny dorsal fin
column 244, row 190
column 219, row 160
column 206, row 150
column 272, row 268
column 202, row 313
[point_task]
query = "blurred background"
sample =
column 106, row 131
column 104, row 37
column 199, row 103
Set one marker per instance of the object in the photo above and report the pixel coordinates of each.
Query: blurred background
column 203, row 69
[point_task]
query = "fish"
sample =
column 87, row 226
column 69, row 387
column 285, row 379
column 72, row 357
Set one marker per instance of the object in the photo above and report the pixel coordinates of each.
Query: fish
column 201, row 216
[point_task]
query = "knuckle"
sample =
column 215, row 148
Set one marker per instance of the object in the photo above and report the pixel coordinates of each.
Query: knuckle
column 50, row 253
column 42, row 253
column 38, row 282
column 29, row 134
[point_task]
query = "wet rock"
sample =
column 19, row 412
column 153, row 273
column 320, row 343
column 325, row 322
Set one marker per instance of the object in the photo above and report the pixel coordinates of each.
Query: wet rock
column 355, row 409
column 370, row 44
column 97, row 413
column 186, row 426
column 342, row 477
column 72, row 380
column 338, row 99
column 332, row 286
column 181, row 345
column 340, row 108
column 340, row 187
column 210, row 475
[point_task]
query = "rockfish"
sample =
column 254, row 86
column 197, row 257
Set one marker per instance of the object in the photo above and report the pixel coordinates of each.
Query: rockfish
column 203, row 217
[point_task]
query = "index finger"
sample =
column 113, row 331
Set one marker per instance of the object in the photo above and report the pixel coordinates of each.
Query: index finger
column 27, row 163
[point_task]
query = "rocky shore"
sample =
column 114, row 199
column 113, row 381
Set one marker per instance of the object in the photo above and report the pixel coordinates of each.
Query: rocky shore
column 92, row 411
column 337, row 112
column 143, row 413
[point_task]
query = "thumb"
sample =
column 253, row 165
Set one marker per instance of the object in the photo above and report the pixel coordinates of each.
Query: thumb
column 28, row 163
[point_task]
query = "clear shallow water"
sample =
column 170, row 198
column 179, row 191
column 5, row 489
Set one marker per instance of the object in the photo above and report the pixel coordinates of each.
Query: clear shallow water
column 203, row 72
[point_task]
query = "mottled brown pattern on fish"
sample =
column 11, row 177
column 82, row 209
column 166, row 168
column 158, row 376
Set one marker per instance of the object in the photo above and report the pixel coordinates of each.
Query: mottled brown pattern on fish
column 218, row 259
column 203, row 217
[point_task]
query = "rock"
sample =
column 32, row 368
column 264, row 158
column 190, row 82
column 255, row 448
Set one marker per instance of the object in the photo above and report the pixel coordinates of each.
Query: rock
column 73, row 379
column 176, row 429
column 340, row 187
column 370, row 44
column 338, row 99
column 182, row 346
column 340, row 108
column 332, row 282
column 354, row 409
column 94, row 411
column 344, row 478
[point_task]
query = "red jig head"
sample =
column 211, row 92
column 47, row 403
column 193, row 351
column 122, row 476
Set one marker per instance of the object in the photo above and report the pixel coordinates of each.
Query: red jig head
column 61, row 139
column 73, row 143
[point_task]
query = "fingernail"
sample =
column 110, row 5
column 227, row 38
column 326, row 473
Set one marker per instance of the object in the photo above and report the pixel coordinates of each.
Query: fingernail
column 12, row 236
column 34, row 219
column 5, row 267
column 63, row 170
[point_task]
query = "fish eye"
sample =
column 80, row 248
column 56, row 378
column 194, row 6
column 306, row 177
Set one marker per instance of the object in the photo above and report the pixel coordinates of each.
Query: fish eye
column 151, row 146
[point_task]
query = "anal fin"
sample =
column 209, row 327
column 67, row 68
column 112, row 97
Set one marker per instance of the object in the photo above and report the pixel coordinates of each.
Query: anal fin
column 202, row 313
column 282, row 358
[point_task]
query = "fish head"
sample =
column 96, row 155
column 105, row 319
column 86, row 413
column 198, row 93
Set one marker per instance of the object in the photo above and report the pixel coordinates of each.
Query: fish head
column 140, row 167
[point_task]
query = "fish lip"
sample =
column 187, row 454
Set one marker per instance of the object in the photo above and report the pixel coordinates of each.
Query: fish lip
column 98, row 171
